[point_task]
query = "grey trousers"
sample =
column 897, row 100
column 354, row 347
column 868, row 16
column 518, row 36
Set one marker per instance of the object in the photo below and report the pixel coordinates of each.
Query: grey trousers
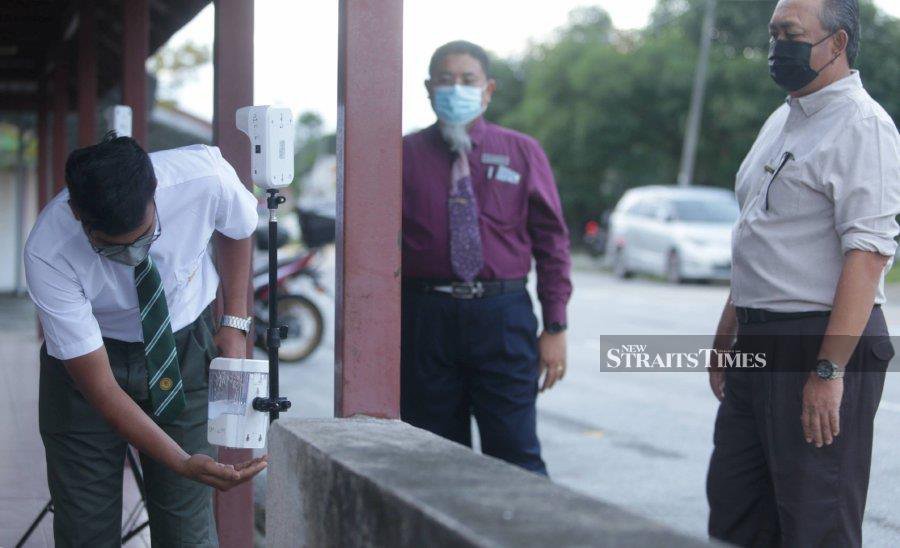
column 85, row 457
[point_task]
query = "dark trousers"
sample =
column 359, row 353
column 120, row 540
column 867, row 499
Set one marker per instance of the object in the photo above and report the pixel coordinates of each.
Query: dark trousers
column 767, row 486
column 479, row 356
column 85, row 457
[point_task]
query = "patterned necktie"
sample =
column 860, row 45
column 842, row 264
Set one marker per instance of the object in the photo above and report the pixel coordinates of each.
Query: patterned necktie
column 466, row 256
column 163, row 374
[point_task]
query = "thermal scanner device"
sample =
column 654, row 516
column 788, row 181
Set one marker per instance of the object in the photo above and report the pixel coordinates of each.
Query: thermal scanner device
column 271, row 133
column 118, row 119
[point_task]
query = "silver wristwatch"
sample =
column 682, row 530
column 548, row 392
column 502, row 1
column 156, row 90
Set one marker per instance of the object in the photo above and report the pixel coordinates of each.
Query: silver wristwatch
column 238, row 323
column 828, row 370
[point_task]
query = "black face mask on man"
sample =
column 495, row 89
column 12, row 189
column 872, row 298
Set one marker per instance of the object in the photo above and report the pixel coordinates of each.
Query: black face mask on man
column 789, row 63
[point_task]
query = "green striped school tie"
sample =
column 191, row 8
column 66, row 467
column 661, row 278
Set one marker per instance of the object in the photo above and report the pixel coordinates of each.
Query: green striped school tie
column 163, row 374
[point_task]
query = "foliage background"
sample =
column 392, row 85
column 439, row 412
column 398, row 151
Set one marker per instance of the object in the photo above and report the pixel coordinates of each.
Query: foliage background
column 610, row 107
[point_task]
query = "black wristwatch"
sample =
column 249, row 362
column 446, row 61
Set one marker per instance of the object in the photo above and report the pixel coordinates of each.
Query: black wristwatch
column 555, row 327
column 828, row 370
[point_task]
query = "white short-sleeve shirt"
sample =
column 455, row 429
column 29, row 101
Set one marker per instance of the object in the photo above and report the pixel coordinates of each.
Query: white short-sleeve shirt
column 82, row 297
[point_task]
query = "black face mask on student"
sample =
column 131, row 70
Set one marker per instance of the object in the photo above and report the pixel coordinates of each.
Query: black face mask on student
column 789, row 63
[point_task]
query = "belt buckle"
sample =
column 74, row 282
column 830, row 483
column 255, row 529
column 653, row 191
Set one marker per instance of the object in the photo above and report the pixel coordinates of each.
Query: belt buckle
column 467, row 290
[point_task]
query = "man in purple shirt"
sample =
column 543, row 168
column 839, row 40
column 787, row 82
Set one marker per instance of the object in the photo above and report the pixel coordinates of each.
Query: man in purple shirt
column 479, row 201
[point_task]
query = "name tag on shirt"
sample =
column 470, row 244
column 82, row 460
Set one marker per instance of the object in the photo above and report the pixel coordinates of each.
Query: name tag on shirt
column 495, row 159
column 507, row 175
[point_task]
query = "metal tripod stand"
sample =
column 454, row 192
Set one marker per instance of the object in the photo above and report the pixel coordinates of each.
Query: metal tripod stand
column 273, row 404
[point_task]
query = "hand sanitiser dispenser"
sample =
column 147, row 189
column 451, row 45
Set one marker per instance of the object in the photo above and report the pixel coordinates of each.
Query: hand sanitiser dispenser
column 233, row 385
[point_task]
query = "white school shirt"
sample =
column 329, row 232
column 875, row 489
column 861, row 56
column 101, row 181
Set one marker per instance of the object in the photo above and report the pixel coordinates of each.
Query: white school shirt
column 839, row 190
column 82, row 297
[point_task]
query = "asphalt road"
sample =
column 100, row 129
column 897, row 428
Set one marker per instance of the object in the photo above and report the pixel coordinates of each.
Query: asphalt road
column 640, row 440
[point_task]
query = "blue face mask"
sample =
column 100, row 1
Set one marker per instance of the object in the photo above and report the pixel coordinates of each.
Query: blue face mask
column 457, row 104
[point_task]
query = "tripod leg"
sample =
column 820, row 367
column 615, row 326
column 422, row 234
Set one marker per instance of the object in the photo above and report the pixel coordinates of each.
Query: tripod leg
column 34, row 524
column 139, row 480
column 136, row 471
column 128, row 536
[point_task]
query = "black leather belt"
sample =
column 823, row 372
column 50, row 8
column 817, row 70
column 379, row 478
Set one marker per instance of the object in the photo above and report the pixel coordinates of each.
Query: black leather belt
column 466, row 290
column 758, row 315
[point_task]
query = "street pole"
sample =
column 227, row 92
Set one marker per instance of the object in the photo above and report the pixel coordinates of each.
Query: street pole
column 692, row 131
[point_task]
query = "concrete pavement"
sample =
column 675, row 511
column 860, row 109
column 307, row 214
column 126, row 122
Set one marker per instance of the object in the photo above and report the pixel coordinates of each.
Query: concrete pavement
column 23, row 476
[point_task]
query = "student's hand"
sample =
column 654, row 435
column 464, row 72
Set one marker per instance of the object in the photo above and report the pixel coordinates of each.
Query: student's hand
column 552, row 348
column 821, row 409
column 232, row 343
column 204, row 469
column 716, row 376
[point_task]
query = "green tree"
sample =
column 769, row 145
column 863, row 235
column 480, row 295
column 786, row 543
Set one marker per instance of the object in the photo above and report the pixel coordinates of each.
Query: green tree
column 739, row 24
column 610, row 107
column 309, row 143
column 172, row 66
column 878, row 62
column 511, row 81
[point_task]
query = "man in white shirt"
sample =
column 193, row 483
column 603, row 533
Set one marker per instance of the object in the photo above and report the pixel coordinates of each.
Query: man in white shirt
column 819, row 194
column 119, row 268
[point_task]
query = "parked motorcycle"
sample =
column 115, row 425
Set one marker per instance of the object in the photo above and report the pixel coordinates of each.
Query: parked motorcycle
column 304, row 321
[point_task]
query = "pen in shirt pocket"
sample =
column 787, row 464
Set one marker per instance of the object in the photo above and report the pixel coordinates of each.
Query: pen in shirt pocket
column 785, row 158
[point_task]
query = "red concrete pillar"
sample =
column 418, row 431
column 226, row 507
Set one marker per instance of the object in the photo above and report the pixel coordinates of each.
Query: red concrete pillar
column 367, row 323
column 43, row 146
column 135, row 50
column 60, row 113
column 232, row 89
column 87, row 73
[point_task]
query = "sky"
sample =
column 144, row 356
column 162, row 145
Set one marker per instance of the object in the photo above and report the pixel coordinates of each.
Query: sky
column 295, row 46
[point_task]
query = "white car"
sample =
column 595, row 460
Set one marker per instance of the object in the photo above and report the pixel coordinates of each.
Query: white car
column 679, row 233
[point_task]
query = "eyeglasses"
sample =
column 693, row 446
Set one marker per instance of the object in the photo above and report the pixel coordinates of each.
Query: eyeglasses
column 115, row 249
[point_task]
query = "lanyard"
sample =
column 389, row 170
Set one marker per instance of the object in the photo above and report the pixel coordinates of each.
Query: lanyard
column 784, row 160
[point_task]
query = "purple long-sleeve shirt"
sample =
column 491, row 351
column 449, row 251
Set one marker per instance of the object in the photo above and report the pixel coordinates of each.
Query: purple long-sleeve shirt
column 519, row 211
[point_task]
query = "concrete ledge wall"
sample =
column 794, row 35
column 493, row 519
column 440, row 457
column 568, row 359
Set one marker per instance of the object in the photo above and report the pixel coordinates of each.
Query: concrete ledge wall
column 368, row 482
